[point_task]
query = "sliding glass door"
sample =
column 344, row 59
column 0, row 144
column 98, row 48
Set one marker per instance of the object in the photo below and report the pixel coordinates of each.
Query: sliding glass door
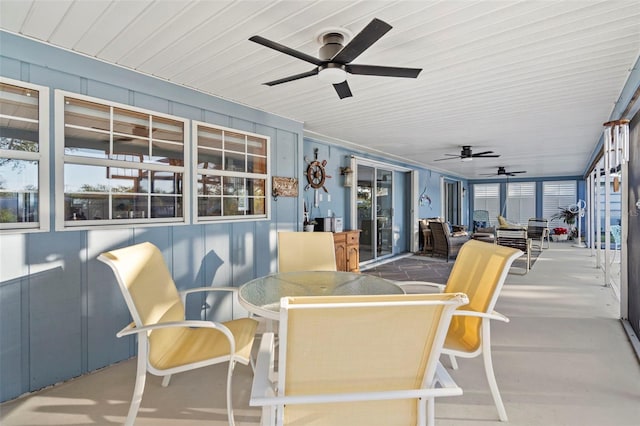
column 375, row 211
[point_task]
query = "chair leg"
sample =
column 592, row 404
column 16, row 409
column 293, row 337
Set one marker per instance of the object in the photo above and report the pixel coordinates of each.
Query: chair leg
column 431, row 412
column 229, row 400
column 488, row 368
column 165, row 380
column 454, row 362
column 138, row 390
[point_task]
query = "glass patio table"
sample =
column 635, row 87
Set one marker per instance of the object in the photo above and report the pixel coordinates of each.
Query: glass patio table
column 261, row 296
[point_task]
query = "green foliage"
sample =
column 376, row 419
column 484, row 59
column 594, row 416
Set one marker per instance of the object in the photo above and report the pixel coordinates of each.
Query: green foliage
column 567, row 215
column 7, row 216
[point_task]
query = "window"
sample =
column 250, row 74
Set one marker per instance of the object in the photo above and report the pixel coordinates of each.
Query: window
column 24, row 155
column 555, row 195
column 486, row 196
column 231, row 178
column 118, row 164
column 521, row 201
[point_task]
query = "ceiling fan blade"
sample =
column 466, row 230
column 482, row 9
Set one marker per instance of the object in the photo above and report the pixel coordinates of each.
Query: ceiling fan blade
column 343, row 89
column 453, row 157
column 521, row 171
column 383, row 71
column 292, row 77
column 484, row 154
column 286, row 50
column 362, row 41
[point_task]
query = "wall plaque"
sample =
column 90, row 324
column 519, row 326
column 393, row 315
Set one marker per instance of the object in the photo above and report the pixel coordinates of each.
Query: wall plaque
column 284, row 186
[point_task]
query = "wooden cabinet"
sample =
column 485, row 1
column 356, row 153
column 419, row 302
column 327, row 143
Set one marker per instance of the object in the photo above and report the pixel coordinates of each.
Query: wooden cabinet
column 347, row 246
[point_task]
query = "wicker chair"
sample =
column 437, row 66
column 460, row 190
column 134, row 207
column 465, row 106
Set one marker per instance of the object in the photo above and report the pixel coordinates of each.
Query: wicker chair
column 445, row 244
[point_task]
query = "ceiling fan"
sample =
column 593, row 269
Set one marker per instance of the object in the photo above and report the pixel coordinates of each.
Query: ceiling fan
column 334, row 60
column 467, row 155
column 503, row 172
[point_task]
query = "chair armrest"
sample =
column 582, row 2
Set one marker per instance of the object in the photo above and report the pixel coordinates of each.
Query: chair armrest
column 132, row 329
column 493, row 315
column 355, row 396
column 403, row 284
column 198, row 289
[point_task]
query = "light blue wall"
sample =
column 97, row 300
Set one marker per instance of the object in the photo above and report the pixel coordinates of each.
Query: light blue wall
column 59, row 307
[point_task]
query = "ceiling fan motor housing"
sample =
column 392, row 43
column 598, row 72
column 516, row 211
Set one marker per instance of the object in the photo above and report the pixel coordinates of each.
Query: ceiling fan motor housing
column 332, row 45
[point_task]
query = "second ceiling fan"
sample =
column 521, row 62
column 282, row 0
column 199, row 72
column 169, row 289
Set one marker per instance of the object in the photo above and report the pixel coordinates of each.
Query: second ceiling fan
column 334, row 60
column 503, row 172
column 467, row 155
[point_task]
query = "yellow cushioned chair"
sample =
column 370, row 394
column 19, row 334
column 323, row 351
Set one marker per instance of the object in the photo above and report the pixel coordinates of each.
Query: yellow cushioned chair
column 306, row 251
column 356, row 360
column 168, row 344
column 479, row 272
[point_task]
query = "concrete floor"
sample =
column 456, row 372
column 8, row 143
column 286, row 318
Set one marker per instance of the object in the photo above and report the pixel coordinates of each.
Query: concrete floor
column 564, row 359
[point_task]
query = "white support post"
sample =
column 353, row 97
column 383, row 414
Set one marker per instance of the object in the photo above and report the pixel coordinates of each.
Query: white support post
column 624, row 268
column 589, row 221
column 607, row 208
column 598, row 230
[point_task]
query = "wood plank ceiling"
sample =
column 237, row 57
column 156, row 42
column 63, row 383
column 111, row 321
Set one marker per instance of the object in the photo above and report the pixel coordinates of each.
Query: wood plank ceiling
column 530, row 80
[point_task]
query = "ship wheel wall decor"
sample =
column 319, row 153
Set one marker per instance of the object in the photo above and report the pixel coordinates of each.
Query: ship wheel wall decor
column 316, row 173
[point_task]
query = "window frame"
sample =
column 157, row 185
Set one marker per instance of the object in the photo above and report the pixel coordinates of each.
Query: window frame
column 196, row 171
column 42, row 157
column 62, row 159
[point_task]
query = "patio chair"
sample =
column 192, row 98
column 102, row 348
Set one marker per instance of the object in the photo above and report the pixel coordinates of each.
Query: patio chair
column 516, row 238
column 356, row 360
column 306, row 251
column 538, row 229
column 444, row 243
column 481, row 220
column 479, row 272
column 167, row 343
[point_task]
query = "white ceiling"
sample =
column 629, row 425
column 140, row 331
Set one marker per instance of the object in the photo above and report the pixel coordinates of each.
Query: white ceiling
column 530, row 80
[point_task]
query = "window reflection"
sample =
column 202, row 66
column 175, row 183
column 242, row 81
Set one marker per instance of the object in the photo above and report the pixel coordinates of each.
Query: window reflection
column 19, row 134
column 242, row 155
column 18, row 191
column 85, row 143
column 120, row 137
